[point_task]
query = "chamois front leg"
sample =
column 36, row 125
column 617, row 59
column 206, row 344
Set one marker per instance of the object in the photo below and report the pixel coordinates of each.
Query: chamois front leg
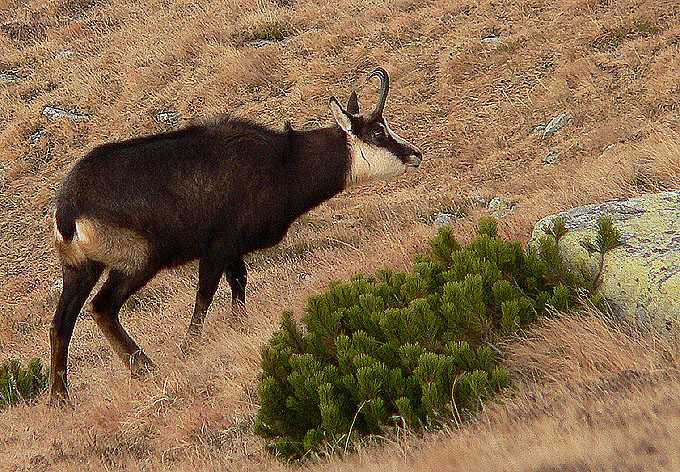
column 209, row 272
column 237, row 276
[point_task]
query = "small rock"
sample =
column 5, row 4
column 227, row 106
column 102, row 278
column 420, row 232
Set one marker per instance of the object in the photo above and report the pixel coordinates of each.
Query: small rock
column 556, row 124
column 551, row 158
column 500, row 208
column 608, row 148
column 443, row 219
column 36, row 135
column 539, row 128
column 304, row 277
column 170, row 118
column 55, row 113
column 492, row 39
column 9, row 77
column 63, row 54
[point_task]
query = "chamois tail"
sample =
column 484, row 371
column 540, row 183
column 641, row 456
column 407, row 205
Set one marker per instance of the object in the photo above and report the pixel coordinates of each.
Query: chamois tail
column 65, row 220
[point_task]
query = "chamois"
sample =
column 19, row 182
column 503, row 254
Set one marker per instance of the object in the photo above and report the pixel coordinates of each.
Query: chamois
column 212, row 192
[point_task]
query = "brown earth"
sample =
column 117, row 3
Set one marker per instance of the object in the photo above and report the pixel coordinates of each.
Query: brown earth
column 588, row 398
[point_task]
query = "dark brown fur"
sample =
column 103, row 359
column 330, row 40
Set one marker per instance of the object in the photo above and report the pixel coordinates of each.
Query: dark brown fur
column 235, row 184
column 212, row 192
column 209, row 192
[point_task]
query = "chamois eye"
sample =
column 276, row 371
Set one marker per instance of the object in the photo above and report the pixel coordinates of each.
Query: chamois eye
column 379, row 133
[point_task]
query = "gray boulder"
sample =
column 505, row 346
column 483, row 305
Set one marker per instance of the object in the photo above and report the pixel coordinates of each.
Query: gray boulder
column 641, row 278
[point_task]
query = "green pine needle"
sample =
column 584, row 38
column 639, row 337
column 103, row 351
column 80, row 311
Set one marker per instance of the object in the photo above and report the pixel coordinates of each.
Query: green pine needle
column 409, row 348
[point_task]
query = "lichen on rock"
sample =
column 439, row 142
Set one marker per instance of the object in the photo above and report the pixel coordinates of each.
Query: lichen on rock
column 641, row 278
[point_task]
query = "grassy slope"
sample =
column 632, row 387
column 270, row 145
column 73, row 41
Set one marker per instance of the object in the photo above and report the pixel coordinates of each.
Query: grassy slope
column 590, row 398
column 470, row 106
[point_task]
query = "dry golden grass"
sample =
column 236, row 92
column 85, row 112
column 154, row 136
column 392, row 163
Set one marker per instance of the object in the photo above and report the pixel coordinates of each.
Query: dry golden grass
column 588, row 397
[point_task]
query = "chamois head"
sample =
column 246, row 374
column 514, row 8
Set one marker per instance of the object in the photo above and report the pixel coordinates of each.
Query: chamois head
column 375, row 150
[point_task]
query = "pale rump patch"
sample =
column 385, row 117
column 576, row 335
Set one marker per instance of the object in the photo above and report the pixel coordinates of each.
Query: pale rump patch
column 117, row 248
column 371, row 162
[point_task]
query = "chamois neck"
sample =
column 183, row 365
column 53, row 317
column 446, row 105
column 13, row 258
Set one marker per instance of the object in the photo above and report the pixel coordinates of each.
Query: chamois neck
column 318, row 166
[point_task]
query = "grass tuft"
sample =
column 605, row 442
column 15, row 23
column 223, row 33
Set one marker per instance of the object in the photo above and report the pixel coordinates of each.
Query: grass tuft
column 21, row 384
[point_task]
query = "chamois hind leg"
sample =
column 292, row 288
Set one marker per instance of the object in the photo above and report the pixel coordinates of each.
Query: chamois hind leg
column 209, row 273
column 78, row 283
column 106, row 306
column 237, row 275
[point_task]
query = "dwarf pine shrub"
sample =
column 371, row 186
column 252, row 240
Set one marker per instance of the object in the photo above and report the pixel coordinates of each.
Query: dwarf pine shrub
column 401, row 348
column 607, row 237
column 19, row 383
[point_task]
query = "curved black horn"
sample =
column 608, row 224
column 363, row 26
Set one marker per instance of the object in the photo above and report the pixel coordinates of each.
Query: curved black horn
column 384, row 89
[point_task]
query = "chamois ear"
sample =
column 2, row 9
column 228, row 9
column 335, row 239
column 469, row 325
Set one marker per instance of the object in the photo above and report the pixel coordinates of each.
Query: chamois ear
column 353, row 103
column 343, row 118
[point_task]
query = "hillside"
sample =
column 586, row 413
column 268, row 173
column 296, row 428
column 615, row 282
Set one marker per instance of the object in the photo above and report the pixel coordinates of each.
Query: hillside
column 472, row 106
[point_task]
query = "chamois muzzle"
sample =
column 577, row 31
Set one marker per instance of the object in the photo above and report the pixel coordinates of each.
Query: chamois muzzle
column 414, row 159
